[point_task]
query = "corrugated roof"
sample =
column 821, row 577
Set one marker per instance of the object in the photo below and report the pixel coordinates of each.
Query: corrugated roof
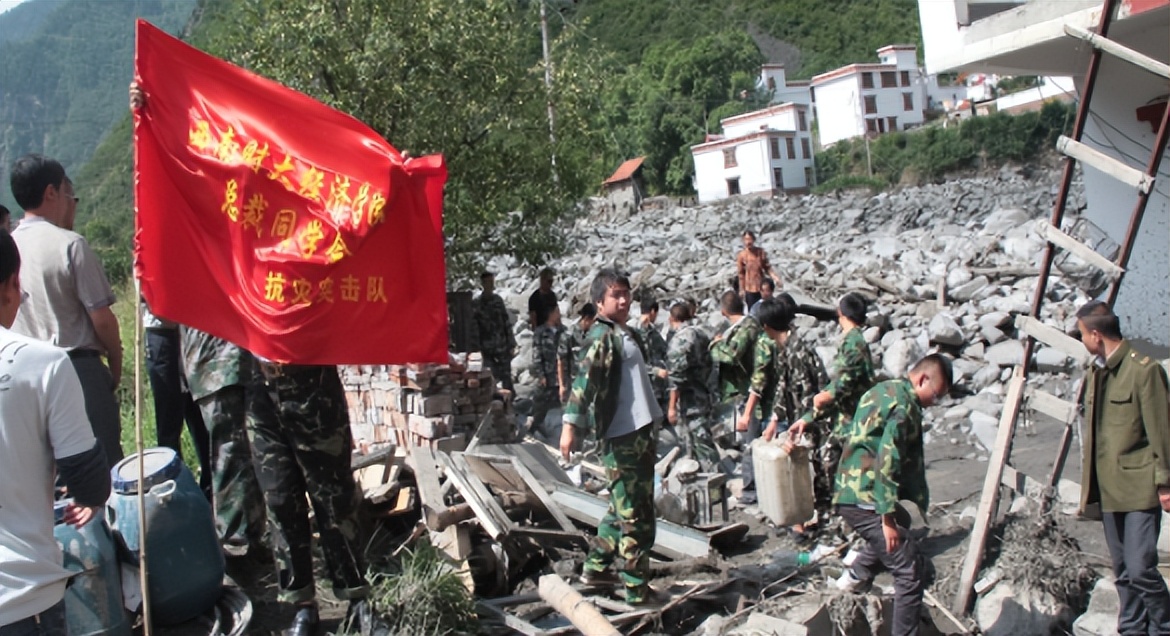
column 626, row 170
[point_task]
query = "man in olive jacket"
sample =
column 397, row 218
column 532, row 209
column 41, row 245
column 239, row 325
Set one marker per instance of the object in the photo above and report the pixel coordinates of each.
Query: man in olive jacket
column 1127, row 465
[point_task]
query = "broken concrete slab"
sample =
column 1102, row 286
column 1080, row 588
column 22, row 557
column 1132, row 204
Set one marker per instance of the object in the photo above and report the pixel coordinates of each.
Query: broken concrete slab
column 759, row 624
column 1008, row 353
column 1100, row 619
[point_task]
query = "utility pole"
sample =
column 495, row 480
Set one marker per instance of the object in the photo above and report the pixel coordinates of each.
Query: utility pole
column 552, row 135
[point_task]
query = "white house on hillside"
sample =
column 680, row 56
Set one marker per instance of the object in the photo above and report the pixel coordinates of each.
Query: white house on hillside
column 773, row 78
column 760, row 153
column 870, row 98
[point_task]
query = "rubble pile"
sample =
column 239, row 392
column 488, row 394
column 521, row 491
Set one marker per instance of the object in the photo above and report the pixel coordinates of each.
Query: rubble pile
column 432, row 404
column 974, row 240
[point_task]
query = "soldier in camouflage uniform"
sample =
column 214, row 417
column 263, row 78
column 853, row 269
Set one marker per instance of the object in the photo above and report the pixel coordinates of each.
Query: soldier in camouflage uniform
column 216, row 373
column 497, row 343
column 647, row 328
column 690, row 401
column 299, row 423
column 571, row 347
column 734, row 352
column 837, row 402
column 883, row 463
column 612, row 381
column 545, row 342
column 800, row 376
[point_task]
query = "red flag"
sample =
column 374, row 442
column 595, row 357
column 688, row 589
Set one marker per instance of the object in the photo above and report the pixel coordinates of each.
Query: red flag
column 280, row 224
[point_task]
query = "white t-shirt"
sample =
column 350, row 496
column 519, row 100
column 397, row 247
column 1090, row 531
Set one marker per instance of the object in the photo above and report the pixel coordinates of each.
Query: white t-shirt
column 636, row 406
column 42, row 417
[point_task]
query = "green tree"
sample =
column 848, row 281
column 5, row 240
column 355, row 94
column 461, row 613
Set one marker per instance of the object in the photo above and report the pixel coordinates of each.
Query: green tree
column 677, row 90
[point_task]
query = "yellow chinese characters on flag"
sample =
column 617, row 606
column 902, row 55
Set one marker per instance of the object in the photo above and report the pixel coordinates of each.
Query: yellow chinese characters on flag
column 279, row 224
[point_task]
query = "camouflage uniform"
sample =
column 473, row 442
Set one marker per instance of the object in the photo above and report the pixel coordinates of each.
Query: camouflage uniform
column 854, row 370
column 627, row 530
column 496, row 340
column 883, row 463
column 545, row 341
column 800, row 375
column 689, row 365
column 299, row 423
column 735, row 357
column 216, row 372
column 656, row 349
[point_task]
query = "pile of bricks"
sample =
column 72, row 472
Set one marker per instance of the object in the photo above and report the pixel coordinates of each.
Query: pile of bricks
column 417, row 404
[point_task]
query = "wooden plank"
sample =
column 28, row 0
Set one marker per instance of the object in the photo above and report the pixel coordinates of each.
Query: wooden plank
column 989, row 500
column 1119, row 51
column 1053, row 337
column 1044, row 402
column 1127, row 175
column 545, row 499
column 491, row 516
column 672, row 540
column 536, row 456
column 426, row 476
column 1069, row 243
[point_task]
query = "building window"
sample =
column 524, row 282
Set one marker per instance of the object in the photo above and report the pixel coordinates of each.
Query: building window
column 908, row 101
column 775, row 146
column 729, row 158
column 771, row 83
column 802, row 121
column 805, row 148
column 733, row 187
column 791, row 147
column 808, row 177
column 871, row 125
column 889, row 79
column 867, row 80
column 891, row 123
column 778, row 178
column 905, row 78
column 870, row 104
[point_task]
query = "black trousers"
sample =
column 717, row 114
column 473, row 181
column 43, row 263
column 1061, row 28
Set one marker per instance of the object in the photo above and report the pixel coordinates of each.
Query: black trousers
column 905, row 564
column 173, row 405
column 1132, row 538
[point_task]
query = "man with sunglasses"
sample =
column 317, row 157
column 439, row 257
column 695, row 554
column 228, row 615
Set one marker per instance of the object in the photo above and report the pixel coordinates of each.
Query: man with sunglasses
column 69, row 297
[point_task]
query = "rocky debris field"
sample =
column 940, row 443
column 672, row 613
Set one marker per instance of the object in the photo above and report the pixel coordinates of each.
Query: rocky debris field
column 947, row 266
column 974, row 239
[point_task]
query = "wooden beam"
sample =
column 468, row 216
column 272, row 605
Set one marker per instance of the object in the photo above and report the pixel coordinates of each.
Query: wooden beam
column 1092, row 157
column 492, row 517
column 546, row 500
column 569, row 602
column 1044, row 402
column 1119, row 51
column 1053, row 337
column 1051, row 233
column 426, row 476
column 989, row 500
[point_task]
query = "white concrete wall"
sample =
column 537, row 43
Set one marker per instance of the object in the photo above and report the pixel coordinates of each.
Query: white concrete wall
column 1144, row 301
column 783, row 93
column 754, row 169
column 903, row 59
column 838, row 109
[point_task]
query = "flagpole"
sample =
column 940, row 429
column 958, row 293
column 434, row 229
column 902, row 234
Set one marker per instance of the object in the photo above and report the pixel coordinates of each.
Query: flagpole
column 143, row 581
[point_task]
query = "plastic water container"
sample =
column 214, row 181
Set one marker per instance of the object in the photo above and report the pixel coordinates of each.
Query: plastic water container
column 93, row 600
column 185, row 564
column 784, row 482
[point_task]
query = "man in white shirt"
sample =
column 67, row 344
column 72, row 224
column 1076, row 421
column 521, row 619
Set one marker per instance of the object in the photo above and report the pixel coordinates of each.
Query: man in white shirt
column 43, row 430
column 68, row 297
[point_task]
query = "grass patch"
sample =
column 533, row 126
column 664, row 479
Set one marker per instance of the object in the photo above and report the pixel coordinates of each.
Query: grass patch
column 423, row 595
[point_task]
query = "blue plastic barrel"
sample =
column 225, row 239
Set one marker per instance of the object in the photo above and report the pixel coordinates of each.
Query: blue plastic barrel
column 185, row 564
column 93, row 600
